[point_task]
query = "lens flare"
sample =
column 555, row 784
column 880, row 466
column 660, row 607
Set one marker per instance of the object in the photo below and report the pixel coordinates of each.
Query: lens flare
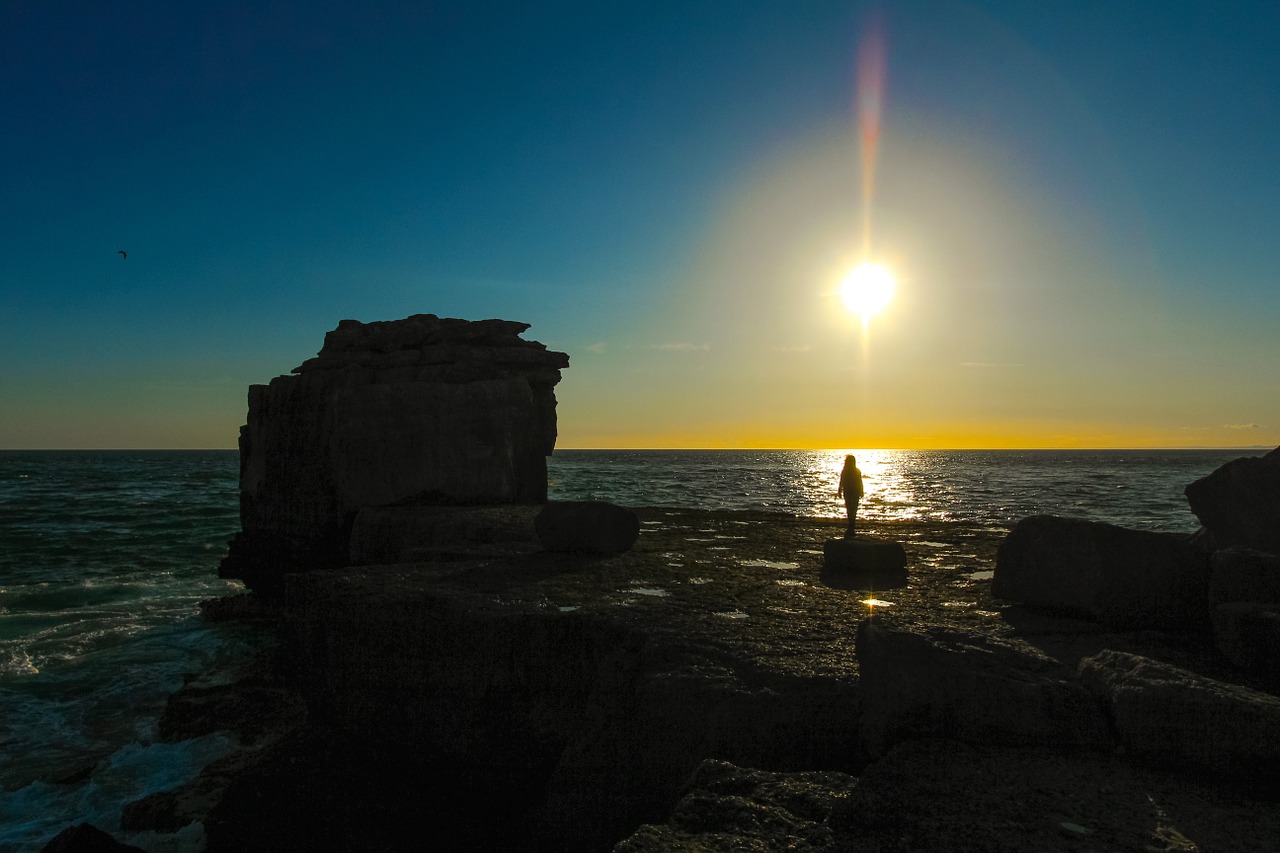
column 871, row 50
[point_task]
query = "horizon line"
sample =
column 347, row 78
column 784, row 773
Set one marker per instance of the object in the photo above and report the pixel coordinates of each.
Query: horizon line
column 724, row 449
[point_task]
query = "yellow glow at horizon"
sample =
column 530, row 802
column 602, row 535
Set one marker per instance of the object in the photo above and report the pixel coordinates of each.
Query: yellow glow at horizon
column 867, row 290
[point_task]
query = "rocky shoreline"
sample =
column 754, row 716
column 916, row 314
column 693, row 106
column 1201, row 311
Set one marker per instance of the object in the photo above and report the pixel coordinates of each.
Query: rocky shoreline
column 699, row 691
column 463, row 665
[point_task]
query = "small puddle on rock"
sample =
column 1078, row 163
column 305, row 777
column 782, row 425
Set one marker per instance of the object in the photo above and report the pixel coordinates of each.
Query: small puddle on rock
column 699, row 581
column 983, row 575
column 732, row 614
column 648, row 590
column 786, row 582
column 768, row 564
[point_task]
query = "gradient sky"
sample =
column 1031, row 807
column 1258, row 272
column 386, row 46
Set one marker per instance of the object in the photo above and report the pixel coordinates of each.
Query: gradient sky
column 1080, row 201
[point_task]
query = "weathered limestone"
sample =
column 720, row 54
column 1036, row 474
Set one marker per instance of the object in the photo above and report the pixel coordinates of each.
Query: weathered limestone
column 926, row 682
column 1126, row 579
column 1239, row 504
column 423, row 410
column 1177, row 718
column 597, row 527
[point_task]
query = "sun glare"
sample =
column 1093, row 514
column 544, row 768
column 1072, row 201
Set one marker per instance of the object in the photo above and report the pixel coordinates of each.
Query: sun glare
column 867, row 290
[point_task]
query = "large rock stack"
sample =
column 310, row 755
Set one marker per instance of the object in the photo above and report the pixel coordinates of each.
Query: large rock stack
column 420, row 411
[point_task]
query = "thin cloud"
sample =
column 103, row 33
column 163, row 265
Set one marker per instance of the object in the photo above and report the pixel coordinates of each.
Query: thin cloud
column 597, row 347
column 1241, row 426
column 683, row 347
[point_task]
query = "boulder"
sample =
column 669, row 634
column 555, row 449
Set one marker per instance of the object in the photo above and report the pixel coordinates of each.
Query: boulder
column 1180, row 719
column 406, row 534
column 926, row 682
column 865, row 562
column 596, row 527
column 1126, row 579
column 1239, row 503
column 423, row 410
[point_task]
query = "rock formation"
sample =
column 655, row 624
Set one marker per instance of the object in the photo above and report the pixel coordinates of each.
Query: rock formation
column 1239, row 503
column 423, row 411
column 1123, row 578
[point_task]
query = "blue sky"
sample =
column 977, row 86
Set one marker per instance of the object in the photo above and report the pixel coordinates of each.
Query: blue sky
column 1078, row 200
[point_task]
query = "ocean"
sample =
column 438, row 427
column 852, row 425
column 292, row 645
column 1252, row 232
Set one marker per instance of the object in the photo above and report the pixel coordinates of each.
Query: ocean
column 104, row 557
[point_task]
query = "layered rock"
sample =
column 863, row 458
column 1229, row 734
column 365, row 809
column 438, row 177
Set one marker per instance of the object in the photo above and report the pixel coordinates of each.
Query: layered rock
column 424, row 410
column 1239, row 503
column 1126, row 579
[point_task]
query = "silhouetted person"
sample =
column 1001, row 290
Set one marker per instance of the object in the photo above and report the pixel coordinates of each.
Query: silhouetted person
column 851, row 490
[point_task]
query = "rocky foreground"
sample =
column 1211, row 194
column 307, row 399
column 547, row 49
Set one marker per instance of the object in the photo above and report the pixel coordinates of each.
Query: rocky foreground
column 717, row 687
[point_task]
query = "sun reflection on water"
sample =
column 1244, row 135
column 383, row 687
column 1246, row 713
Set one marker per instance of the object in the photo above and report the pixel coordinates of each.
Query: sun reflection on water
column 889, row 496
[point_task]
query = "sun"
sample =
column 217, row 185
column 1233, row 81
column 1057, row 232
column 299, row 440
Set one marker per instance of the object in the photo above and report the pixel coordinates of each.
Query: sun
column 867, row 290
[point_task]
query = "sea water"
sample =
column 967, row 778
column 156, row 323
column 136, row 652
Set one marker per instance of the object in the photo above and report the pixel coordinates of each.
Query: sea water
column 104, row 557
column 1132, row 488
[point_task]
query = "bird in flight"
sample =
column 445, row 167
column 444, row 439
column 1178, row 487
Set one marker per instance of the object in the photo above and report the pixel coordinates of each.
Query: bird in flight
column 122, row 253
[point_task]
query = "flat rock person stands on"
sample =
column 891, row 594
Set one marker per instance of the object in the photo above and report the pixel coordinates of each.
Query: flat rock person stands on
column 851, row 489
